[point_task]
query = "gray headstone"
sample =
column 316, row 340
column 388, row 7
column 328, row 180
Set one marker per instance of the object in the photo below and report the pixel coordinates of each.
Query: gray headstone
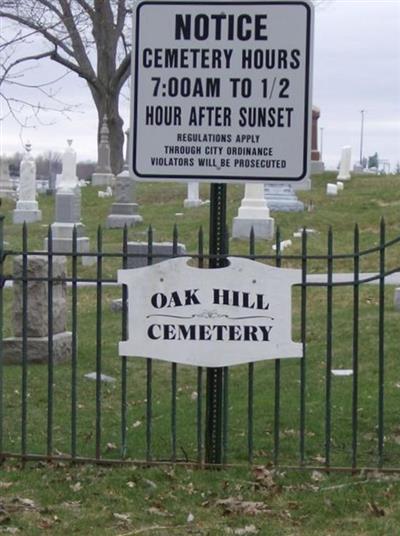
column 281, row 197
column 125, row 209
column 68, row 206
column 161, row 251
column 37, row 312
column 102, row 175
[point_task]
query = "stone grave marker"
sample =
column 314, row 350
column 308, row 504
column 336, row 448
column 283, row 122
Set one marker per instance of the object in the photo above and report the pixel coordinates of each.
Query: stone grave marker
column 37, row 313
column 193, row 197
column 68, row 208
column 27, row 209
column 103, row 175
column 253, row 213
column 345, row 163
column 124, row 211
column 281, row 197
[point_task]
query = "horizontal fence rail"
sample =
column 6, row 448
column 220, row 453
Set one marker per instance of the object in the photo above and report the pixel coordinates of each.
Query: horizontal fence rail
column 333, row 409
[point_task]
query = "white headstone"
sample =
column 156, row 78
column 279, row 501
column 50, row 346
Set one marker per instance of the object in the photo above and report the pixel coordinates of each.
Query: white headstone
column 331, row 189
column 27, row 173
column 27, row 209
column 68, row 209
column 68, row 180
column 340, row 185
column 193, row 198
column 253, row 213
column 345, row 163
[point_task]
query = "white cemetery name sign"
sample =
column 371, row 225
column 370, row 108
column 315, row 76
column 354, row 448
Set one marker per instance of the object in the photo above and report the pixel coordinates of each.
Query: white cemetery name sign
column 211, row 318
column 221, row 90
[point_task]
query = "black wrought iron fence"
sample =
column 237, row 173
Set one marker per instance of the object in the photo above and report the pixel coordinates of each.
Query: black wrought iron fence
column 334, row 408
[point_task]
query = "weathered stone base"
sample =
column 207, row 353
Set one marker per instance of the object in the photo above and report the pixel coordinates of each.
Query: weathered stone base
column 64, row 245
column 62, row 238
column 263, row 228
column 159, row 248
column 123, row 214
column 192, row 203
column 102, row 179
column 28, row 216
column 117, row 221
column 285, row 205
column 317, row 167
column 282, row 198
column 37, row 349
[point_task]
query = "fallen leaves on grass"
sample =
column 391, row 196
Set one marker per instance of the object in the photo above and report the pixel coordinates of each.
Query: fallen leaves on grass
column 376, row 510
column 122, row 517
column 238, row 506
column 242, row 531
column 76, row 487
column 317, row 476
column 158, row 511
column 265, row 479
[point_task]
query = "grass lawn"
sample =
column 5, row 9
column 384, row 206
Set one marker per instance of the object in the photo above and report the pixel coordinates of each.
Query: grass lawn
column 65, row 499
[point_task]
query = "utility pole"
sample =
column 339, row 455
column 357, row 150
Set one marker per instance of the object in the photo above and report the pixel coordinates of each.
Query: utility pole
column 362, row 137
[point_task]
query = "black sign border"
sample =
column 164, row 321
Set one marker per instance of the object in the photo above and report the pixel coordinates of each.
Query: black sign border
column 220, row 178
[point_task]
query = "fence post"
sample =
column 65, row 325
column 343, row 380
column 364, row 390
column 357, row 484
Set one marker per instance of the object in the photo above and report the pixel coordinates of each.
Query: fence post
column 1, row 328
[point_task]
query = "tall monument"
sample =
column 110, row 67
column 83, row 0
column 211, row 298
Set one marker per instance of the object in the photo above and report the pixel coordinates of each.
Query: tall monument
column 27, row 209
column 102, row 175
column 68, row 208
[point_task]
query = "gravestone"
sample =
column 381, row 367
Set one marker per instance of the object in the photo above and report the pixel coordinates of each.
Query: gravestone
column 345, row 163
column 124, row 211
column 331, row 189
column 68, row 208
column 161, row 251
column 6, row 185
column 102, row 175
column 37, row 312
column 253, row 213
column 193, row 198
column 281, row 197
column 27, row 209
column 317, row 165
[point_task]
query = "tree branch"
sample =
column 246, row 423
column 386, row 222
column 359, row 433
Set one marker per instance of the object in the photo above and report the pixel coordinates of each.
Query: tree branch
column 29, row 23
column 122, row 73
column 79, row 49
column 89, row 10
column 91, row 79
column 21, row 60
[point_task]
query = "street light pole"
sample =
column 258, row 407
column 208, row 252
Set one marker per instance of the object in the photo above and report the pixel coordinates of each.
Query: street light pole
column 362, row 137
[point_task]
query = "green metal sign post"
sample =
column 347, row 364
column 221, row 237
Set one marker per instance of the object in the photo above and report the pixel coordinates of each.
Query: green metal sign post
column 218, row 249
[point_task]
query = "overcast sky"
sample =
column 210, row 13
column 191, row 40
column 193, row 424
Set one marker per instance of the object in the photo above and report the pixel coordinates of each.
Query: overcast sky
column 356, row 67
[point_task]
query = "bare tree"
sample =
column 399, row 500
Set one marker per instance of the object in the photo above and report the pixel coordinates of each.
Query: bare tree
column 90, row 39
column 87, row 37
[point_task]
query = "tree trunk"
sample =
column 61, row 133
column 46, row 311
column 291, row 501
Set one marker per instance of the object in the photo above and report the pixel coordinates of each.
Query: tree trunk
column 108, row 104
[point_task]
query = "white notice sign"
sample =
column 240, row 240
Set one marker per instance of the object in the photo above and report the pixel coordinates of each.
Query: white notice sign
column 211, row 318
column 221, row 90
